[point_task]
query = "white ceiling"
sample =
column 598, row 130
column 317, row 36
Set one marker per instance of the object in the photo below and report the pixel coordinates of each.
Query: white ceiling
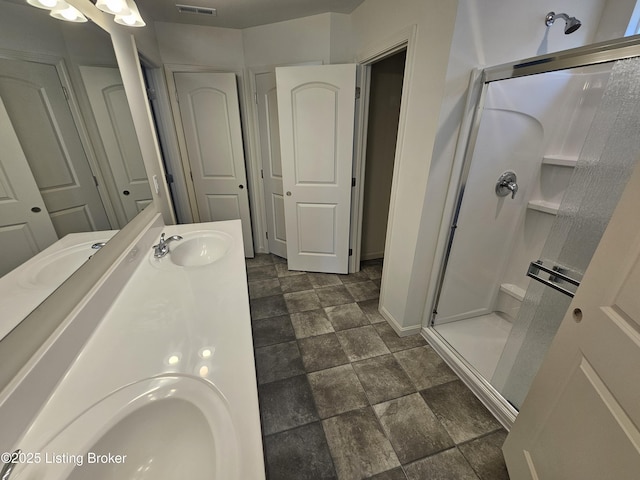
column 242, row 13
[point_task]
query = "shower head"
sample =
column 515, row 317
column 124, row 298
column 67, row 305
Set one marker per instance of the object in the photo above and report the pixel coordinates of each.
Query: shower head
column 571, row 23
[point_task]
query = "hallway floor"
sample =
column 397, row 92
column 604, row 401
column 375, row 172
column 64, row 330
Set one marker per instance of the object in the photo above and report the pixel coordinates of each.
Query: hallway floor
column 343, row 397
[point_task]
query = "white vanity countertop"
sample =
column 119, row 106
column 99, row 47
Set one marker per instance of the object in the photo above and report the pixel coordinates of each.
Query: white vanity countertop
column 171, row 320
column 26, row 287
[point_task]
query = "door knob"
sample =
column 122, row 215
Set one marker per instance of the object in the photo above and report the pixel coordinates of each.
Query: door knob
column 288, row 194
column 126, row 192
column 240, row 187
column 36, row 209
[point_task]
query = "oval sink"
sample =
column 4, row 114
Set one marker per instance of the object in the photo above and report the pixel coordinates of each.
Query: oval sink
column 54, row 269
column 161, row 428
column 199, row 248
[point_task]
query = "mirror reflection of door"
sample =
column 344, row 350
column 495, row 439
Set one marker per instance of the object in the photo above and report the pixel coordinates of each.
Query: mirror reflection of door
column 210, row 115
column 25, row 227
column 37, row 106
column 129, row 189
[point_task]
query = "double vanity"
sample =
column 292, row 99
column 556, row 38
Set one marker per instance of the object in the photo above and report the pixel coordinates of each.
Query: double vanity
column 164, row 385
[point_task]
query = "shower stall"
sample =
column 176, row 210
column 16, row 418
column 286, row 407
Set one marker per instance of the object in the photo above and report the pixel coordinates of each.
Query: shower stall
column 551, row 143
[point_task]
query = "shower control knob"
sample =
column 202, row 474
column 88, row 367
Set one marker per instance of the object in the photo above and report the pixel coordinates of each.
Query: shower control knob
column 507, row 184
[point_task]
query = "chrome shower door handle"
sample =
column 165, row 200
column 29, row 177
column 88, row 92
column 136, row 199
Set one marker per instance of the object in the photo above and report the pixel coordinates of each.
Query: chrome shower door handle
column 507, row 184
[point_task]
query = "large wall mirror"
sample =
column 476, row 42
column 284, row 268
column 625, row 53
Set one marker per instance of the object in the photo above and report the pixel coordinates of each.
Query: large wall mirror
column 71, row 168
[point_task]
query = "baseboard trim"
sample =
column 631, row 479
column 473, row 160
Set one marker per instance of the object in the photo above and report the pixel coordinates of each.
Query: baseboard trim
column 400, row 330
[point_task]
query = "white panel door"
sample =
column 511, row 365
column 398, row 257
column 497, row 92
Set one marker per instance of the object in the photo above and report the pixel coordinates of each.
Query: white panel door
column 38, row 108
column 113, row 117
column 269, row 133
column 316, row 106
column 581, row 417
column 210, row 116
column 25, row 226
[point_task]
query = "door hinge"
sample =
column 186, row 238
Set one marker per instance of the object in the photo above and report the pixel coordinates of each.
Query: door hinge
column 66, row 93
column 350, row 251
column 255, row 97
column 353, row 182
column 261, row 173
column 95, row 180
column 151, row 94
column 177, row 97
column 357, row 92
column 191, row 175
column 267, row 235
column 169, row 178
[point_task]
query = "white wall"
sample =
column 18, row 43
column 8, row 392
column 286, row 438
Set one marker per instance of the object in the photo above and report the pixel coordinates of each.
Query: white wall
column 407, row 261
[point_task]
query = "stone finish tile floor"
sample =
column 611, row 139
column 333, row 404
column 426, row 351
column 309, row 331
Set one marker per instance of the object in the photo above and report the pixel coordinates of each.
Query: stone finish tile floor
column 343, row 397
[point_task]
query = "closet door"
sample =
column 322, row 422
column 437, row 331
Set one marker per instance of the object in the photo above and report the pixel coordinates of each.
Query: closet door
column 316, row 107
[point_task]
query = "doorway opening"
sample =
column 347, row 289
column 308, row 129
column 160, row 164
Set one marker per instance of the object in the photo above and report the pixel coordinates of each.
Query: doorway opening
column 385, row 78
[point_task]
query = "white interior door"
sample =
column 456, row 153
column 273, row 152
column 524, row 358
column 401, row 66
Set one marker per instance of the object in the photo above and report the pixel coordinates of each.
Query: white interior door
column 269, row 133
column 25, row 226
column 37, row 106
column 581, row 417
column 316, row 106
column 210, row 116
column 113, row 117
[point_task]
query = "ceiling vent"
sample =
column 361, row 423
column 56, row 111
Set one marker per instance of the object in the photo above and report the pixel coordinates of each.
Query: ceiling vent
column 197, row 10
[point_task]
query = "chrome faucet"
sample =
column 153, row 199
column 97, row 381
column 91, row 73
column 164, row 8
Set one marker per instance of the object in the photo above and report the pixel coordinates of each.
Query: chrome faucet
column 98, row 246
column 162, row 248
column 507, row 185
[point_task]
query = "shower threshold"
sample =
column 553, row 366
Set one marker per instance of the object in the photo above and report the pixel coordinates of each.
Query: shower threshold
column 479, row 340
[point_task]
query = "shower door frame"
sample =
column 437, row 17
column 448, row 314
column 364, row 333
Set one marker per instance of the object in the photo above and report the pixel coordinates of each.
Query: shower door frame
column 603, row 52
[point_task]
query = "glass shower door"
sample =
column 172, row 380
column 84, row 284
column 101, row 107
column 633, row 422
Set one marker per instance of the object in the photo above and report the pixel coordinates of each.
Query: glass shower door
column 609, row 154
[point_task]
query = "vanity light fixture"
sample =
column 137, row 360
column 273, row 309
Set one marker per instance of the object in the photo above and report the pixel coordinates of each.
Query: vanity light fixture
column 125, row 11
column 59, row 9
column 132, row 18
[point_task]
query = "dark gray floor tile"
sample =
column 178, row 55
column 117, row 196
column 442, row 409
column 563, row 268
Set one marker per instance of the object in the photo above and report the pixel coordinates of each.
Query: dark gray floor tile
column 295, row 283
column 266, row 307
column 354, row 277
column 311, row 323
column 383, row 378
column 378, row 283
column 396, row 343
column 346, row 316
column 276, row 362
column 363, row 290
column 358, row 445
column 302, row 301
column 282, row 270
column 264, row 288
column 485, row 456
column 374, row 271
column 322, row 351
column 261, row 273
column 270, row 331
column 362, row 342
column 461, row 413
column 299, row 454
column 286, row 404
column 324, row 279
column 425, row 367
column 337, row 390
column 277, row 259
column 395, row 474
column 259, row 260
column 412, row 428
column 333, row 295
column 370, row 309
column 447, row 465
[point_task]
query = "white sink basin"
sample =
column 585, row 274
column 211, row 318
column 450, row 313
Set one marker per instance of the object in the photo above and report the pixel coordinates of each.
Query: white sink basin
column 52, row 270
column 162, row 428
column 197, row 249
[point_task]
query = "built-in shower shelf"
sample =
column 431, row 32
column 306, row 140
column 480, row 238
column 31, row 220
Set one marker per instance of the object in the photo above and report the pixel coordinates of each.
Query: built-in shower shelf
column 544, row 207
column 559, row 160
